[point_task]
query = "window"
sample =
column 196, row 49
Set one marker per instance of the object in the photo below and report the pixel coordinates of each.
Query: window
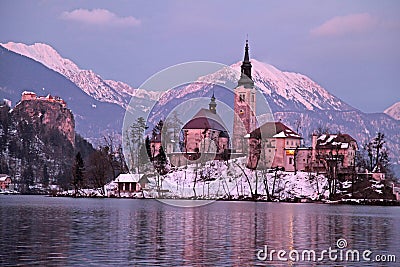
column 241, row 111
column 290, row 160
column 242, row 97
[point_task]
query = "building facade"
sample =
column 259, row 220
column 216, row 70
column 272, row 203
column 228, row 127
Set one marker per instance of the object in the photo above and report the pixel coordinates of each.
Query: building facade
column 338, row 150
column 273, row 145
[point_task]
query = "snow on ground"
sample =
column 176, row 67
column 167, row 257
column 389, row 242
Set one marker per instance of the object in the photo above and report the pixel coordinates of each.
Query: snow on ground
column 229, row 180
column 223, row 180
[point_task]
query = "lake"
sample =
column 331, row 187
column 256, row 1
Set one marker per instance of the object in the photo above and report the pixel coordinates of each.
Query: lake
column 45, row 231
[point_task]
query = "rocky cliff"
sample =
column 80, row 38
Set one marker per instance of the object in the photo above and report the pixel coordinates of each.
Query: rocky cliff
column 38, row 144
column 43, row 113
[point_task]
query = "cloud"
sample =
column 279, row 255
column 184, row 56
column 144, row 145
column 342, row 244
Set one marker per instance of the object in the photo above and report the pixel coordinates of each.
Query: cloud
column 100, row 17
column 344, row 25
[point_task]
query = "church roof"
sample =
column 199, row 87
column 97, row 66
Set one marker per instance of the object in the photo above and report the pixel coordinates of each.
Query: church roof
column 206, row 119
column 245, row 76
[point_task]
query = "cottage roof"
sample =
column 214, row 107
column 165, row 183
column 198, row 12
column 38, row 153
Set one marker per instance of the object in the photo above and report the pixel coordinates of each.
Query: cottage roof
column 334, row 141
column 274, row 130
column 3, row 177
column 128, row 178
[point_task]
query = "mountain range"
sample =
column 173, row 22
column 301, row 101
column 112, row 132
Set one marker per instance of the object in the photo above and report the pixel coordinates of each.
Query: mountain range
column 394, row 111
column 98, row 104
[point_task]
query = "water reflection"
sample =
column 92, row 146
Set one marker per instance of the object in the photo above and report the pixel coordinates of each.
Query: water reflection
column 107, row 232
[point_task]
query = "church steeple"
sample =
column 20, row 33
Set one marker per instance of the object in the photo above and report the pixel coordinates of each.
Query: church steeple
column 245, row 120
column 213, row 105
column 245, row 76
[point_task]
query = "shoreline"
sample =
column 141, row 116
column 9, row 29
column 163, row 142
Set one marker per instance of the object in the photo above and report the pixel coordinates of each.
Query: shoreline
column 361, row 202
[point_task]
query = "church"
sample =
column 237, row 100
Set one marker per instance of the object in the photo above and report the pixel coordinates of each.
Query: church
column 208, row 125
column 207, row 134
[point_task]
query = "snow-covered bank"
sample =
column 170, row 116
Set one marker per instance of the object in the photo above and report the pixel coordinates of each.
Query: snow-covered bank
column 231, row 180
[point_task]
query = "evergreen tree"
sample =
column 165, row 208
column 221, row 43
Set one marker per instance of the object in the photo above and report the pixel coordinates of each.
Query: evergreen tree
column 78, row 173
column 157, row 130
column 148, row 148
column 173, row 126
column 45, row 179
column 27, row 178
column 143, row 156
column 161, row 161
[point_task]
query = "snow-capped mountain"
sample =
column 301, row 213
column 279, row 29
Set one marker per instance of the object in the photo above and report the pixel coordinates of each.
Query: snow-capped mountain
column 124, row 88
column 285, row 91
column 91, row 83
column 291, row 96
column 394, row 111
column 19, row 73
column 293, row 87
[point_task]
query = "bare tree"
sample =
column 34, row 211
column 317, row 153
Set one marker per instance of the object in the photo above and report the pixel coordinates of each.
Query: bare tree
column 247, row 178
column 377, row 144
column 376, row 153
column 271, row 191
column 100, row 171
column 134, row 141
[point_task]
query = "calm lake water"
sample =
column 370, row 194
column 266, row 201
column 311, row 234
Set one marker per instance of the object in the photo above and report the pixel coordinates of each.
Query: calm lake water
column 44, row 231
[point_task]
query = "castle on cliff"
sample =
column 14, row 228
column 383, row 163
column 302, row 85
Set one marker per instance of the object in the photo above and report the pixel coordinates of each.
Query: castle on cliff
column 26, row 95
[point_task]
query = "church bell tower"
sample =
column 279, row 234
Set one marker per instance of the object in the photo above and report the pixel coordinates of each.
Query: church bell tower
column 244, row 105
